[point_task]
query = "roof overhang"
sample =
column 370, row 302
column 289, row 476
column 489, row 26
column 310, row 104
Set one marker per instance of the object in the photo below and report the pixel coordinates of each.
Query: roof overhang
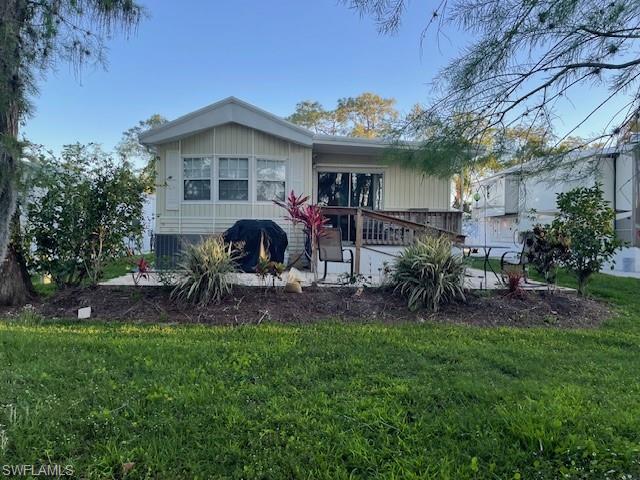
column 229, row 110
column 330, row 144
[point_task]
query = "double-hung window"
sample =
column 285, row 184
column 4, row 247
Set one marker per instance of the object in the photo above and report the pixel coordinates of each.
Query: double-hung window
column 196, row 175
column 233, row 179
column 270, row 179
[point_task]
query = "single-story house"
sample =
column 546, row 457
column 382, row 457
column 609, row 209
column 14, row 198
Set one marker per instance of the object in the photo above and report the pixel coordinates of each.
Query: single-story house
column 229, row 161
column 510, row 202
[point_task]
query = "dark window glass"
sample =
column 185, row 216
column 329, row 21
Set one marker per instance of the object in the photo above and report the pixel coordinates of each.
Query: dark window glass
column 339, row 189
column 333, row 189
column 366, row 190
column 234, row 190
column 197, row 189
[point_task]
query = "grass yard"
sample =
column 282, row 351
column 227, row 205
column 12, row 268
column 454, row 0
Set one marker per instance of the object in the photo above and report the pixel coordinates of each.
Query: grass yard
column 114, row 269
column 326, row 400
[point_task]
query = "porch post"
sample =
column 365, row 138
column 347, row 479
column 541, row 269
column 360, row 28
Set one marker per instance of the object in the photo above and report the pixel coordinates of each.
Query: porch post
column 358, row 240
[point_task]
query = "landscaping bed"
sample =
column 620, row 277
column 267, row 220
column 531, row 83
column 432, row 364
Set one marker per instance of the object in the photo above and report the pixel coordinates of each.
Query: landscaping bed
column 252, row 305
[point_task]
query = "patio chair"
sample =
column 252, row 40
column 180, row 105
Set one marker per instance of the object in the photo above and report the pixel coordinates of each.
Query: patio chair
column 330, row 249
column 519, row 258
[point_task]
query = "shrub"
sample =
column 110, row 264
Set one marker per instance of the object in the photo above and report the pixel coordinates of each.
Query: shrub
column 203, row 272
column 587, row 221
column 428, row 275
column 84, row 206
column 547, row 251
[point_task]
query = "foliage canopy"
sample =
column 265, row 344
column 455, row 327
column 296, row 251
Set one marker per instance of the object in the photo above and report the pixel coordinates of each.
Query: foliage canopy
column 525, row 62
column 368, row 115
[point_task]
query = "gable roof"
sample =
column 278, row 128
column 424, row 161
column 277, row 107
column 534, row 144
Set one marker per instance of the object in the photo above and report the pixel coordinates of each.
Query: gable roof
column 229, row 110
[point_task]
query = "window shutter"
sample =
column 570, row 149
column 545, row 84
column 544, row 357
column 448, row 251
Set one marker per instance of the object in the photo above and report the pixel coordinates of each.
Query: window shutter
column 172, row 169
column 295, row 182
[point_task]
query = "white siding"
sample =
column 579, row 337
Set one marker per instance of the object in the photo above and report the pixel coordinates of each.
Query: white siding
column 403, row 188
column 215, row 217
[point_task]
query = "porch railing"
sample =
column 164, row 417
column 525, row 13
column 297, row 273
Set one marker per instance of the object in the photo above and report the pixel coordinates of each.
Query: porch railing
column 397, row 228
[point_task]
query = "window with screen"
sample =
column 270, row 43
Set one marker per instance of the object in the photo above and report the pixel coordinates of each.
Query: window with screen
column 270, row 180
column 196, row 175
column 233, row 179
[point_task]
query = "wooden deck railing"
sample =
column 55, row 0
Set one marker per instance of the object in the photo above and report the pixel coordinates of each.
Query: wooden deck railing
column 396, row 227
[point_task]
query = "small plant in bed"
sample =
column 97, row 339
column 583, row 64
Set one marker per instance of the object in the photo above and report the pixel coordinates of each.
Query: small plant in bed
column 357, row 280
column 514, row 283
column 267, row 268
column 204, row 272
column 428, row 275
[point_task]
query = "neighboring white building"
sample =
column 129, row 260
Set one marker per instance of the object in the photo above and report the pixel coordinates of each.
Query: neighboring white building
column 512, row 201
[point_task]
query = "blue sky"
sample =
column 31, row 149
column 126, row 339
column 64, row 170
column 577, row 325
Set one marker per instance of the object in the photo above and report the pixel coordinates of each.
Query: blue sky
column 273, row 54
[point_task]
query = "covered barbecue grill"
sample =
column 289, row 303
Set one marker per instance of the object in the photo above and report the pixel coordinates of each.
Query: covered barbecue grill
column 251, row 232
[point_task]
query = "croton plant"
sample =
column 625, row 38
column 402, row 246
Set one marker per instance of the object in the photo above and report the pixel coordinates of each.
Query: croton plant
column 301, row 212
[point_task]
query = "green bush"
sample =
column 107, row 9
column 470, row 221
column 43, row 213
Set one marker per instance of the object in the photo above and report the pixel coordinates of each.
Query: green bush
column 84, row 207
column 428, row 275
column 547, row 252
column 588, row 222
column 203, row 272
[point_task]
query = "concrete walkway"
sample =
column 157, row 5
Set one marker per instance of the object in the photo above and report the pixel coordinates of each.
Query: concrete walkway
column 475, row 280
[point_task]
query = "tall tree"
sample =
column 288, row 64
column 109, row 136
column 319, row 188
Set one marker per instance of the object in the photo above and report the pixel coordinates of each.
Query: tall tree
column 131, row 150
column 34, row 35
column 526, row 60
column 312, row 115
column 368, row 115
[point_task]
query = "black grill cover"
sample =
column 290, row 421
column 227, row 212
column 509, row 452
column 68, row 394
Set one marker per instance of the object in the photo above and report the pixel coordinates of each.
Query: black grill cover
column 249, row 232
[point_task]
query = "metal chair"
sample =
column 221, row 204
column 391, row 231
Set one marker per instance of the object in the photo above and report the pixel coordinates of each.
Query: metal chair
column 330, row 249
column 519, row 258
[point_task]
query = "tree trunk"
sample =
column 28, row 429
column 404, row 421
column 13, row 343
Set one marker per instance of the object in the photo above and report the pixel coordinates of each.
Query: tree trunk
column 583, row 279
column 15, row 283
column 15, row 286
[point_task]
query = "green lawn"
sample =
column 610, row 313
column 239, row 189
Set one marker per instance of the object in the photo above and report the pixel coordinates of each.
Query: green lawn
column 326, row 401
column 114, row 269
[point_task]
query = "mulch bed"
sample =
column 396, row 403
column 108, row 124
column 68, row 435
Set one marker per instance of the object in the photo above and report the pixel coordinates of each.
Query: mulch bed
column 252, row 305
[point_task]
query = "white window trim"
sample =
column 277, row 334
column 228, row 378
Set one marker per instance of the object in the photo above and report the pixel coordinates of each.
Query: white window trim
column 215, row 178
column 286, row 176
column 182, row 179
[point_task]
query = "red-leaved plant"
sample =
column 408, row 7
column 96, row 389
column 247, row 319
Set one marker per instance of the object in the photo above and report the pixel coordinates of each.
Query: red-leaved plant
column 310, row 216
column 141, row 271
column 514, row 283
